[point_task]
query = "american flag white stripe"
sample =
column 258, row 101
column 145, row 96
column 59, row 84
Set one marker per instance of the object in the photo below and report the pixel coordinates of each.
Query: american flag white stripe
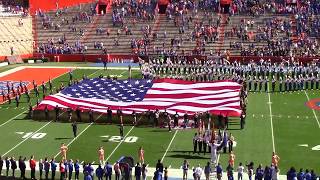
column 165, row 94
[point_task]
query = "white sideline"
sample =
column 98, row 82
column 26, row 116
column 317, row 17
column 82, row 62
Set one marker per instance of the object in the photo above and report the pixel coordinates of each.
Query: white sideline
column 164, row 155
column 314, row 113
column 13, row 70
column 271, row 120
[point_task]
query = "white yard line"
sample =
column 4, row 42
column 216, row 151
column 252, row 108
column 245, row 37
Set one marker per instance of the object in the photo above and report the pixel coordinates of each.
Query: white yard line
column 12, row 119
column 27, row 138
column 75, row 138
column 314, row 113
column 114, row 150
column 271, row 120
column 164, row 155
column 79, row 135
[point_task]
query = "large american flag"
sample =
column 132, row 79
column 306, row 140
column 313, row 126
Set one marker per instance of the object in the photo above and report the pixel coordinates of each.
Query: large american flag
column 140, row 95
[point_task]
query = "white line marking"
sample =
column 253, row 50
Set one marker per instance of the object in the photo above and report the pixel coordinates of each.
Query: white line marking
column 169, row 145
column 79, row 135
column 314, row 113
column 27, row 138
column 12, row 119
column 271, row 122
column 75, row 138
column 114, row 150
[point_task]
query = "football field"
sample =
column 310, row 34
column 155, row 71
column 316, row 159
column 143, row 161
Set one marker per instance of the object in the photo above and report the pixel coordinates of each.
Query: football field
column 278, row 122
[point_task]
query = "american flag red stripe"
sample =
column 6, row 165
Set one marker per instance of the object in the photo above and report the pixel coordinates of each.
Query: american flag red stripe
column 217, row 97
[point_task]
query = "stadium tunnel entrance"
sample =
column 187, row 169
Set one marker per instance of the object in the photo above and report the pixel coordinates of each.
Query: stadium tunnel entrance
column 225, row 5
column 162, row 5
column 102, row 6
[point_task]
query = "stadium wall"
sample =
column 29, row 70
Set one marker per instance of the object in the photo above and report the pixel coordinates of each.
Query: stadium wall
column 23, row 56
column 47, row 5
column 95, row 57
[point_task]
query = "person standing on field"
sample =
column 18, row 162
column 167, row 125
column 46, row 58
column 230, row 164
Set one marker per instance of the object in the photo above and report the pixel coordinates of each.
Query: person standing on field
column 101, row 155
column 32, row 163
column 141, row 155
column 240, row 171
column 207, row 171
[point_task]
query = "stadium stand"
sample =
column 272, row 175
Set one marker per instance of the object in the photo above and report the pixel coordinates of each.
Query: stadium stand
column 19, row 37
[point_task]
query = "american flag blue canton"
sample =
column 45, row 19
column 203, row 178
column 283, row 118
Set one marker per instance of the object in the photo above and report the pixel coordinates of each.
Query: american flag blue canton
column 15, row 84
column 107, row 89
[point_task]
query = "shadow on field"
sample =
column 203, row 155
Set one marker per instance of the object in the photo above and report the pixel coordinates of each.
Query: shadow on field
column 160, row 130
column 234, row 129
column 7, row 178
column 185, row 156
column 62, row 138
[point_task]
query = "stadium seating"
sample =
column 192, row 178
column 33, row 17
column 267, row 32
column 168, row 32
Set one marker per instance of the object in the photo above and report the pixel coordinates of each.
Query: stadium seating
column 13, row 35
column 226, row 42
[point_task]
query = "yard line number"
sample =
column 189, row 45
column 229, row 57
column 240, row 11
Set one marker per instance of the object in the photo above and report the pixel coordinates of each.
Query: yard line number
column 129, row 139
column 33, row 136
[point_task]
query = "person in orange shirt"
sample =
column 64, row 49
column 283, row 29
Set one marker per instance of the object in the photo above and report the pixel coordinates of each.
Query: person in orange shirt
column 141, row 155
column 63, row 151
column 232, row 158
column 275, row 159
column 101, row 155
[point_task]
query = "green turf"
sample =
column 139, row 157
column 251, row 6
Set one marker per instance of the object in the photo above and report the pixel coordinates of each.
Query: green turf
column 293, row 124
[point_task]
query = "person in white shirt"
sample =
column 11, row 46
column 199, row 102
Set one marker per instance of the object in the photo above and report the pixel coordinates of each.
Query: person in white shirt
column 214, row 147
column 240, row 171
column 275, row 171
column 198, row 172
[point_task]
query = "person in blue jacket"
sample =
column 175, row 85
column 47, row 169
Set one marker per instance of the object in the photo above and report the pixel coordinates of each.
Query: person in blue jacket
column 76, row 169
column 99, row 172
column 70, row 168
column 53, row 168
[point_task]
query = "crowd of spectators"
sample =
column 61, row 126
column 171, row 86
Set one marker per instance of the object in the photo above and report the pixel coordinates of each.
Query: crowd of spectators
column 293, row 32
column 289, row 29
column 14, row 7
column 62, row 19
